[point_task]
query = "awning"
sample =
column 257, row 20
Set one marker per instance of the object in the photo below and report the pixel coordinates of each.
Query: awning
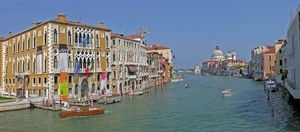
column 132, row 68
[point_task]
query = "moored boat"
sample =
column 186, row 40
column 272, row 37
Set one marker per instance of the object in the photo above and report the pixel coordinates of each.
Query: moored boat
column 84, row 111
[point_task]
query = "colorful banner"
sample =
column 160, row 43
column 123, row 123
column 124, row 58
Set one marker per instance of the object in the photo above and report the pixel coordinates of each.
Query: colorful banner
column 63, row 52
column 63, row 88
column 39, row 59
column 104, row 79
column 20, row 85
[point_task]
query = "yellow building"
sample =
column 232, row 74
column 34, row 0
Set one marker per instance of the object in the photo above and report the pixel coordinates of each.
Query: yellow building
column 34, row 58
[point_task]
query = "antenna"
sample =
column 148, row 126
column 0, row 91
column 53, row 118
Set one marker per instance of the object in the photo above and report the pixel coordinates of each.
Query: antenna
column 79, row 19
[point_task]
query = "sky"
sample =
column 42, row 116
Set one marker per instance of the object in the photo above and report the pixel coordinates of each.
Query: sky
column 190, row 28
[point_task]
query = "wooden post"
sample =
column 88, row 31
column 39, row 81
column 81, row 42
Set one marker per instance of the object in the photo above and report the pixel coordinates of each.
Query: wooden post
column 47, row 101
column 155, row 86
column 53, row 101
column 43, row 104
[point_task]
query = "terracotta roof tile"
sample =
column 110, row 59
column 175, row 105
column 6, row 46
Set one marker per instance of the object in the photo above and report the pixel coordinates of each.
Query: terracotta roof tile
column 271, row 50
column 2, row 38
column 134, row 36
column 156, row 47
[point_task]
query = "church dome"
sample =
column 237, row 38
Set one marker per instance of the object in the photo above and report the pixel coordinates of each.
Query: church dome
column 228, row 55
column 217, row 52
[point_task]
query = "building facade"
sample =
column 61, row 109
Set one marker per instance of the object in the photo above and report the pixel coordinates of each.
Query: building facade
column 291, row 53
column 166, row 53
column 35, row 57
column 129, row 63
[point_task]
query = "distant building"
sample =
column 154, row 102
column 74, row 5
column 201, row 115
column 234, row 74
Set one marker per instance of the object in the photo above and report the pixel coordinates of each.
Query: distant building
column 197, row 69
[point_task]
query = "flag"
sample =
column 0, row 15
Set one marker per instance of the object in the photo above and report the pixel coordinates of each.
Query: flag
column 89, row 68
column 77, row 67
column 84, row 40
column 173, row 56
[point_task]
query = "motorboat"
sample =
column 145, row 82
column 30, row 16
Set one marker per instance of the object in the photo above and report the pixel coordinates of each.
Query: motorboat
column 186, row 86
column 138, row 93
column 227, row 91
column 270, row 85
column 67, row 107
column 84, row 111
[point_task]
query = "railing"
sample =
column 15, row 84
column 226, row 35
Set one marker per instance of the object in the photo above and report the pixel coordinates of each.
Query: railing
column 25, row 73
column 132, row 76
column 80, row 45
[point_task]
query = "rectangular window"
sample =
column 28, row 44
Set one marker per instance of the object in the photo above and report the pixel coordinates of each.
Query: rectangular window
column 55, row 79
column 70, row 79
column 270, row 58
column 33, row 81
column 98, row 77
column 45, row 80
column 40, row 81
column 280, row 62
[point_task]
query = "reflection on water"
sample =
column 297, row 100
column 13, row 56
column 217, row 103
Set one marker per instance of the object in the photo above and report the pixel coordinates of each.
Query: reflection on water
column 176, row 108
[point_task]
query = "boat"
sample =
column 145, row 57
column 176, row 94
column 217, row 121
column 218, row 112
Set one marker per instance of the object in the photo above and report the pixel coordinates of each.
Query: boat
column 84, row 111
column 138, row 93
column 270, row 85
column 110, row 100
column 67, row 107
column 226, row 91
column 186, row 86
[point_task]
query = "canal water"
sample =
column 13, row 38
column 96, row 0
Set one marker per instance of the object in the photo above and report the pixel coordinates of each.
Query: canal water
column 197, row 108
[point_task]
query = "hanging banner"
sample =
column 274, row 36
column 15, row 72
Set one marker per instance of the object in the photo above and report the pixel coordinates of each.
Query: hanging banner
column 63, row 53
column 63, row 86
column 104, row 79
column 20, row 85
column 39, row 59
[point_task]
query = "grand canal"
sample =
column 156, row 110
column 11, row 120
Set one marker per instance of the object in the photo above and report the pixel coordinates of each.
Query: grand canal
column 198, row 108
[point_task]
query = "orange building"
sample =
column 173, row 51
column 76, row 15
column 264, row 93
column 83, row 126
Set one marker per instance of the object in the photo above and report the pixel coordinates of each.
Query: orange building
column 269, row 59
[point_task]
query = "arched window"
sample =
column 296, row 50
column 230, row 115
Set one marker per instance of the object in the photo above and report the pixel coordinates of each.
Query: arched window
column 69, row 37
column 70, row 62
column 55, row 62
column 18, row 66
column 23, row 66
column 76, row 37
column 55, row 36
column 97, row 63
column 45, row 38
column 97, row 40
column 45, row 64
column 115, row 74
column 80, row 37
column 88, row 39
column 114, row 56
column 34, row 41
column 28, row 65
column 18, row 46
column 106, row 42
column 91, row 39
column 23, row 45
column 34, row 66
column 28, row 43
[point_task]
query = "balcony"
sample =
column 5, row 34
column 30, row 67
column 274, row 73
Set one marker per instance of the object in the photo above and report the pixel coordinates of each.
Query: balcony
column 159, row 71
column 70, row 70
column 80, row 45
column 25, row 73
column 132, row 76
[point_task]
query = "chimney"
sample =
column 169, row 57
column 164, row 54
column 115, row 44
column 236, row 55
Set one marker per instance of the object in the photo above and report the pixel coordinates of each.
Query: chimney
column 62, row 17
column 32, row 24
column 101, row 24
column 9, row 34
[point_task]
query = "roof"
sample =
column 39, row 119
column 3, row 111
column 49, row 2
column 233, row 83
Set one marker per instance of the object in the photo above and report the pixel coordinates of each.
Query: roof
column 156, row 47
column 133, row 36
column 271, row 50
column 63, row 22
column 2, row 38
